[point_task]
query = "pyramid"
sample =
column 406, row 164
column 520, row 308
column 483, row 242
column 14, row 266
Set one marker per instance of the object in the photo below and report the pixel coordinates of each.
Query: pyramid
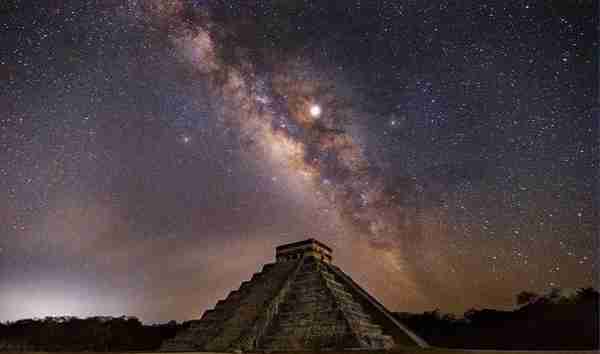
column 300, row 302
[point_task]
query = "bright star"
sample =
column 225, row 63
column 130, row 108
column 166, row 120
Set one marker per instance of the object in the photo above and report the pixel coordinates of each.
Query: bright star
column 315, row 110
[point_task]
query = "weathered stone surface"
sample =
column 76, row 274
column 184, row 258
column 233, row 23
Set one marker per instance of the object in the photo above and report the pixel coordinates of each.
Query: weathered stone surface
column 301, row 302
column 223, row 324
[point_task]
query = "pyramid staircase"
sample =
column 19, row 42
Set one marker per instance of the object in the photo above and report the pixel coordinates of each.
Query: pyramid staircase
column 221, row 325
column 321, row 313
column 301, row 302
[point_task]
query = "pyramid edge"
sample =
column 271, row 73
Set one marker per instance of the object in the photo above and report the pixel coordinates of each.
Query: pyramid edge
column 375, row 304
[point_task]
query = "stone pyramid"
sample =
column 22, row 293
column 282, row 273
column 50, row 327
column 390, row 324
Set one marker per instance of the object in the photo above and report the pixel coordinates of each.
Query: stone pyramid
column 300, row 302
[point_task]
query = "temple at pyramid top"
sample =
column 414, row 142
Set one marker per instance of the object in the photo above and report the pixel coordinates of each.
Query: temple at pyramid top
column 300, row 302
column 296, row 250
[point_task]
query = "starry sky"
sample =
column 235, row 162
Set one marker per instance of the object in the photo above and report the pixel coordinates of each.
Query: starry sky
column 154, row 152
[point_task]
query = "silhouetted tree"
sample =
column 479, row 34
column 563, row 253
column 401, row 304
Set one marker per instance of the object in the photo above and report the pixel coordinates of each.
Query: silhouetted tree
column 587, row 294
column 90, row 334
column 526, row 297
column 550, row 321
column 554, row 295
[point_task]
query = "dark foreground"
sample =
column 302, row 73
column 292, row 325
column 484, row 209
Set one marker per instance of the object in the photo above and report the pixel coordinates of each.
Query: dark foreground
column 549, row 324
column 406, row 351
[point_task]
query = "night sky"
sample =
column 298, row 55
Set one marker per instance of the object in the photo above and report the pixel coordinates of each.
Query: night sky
column 153, row 153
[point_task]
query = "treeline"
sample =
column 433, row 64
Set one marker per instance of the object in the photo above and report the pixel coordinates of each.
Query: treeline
column 540, row 322
column 84, row 334
column 550, row 321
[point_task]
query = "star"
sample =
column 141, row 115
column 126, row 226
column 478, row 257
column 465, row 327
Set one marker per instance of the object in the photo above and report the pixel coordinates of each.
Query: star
column 315, row 111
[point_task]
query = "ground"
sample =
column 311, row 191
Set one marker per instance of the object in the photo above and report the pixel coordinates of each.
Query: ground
column 406, row 351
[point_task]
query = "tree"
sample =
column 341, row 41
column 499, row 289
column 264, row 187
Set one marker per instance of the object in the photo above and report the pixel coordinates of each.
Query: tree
column 554, row 295
column 526, row 297
column 470, row 314
column 586, row 294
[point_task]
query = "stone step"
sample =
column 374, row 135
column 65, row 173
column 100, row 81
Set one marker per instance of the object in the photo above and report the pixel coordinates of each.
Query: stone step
column 368, row 327
column 228, row 305
column 346, row 296
column 327, row 274
column 291, row 325
column 304, row 285
column 316, row 291
column 257, row 276
column 235, row 294
column 381, row 341
column 211, row 315
column 246, row 284
column 322, row 341
column 307, row 276
column 324, row 312
column 351, row 306
column 281, row 341
column 336, row 284
column 303, row 290
column 297, row 302
column 360, row 319
column 263, row 289
column 358, row 315
column 343, row 295
column 285, row 315
column 275, row 342
column 225, row 323
column 267, row 267
column 309, row 267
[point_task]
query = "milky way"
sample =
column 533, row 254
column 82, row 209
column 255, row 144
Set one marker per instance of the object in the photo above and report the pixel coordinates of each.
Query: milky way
column 447, row 170
column 293, row 115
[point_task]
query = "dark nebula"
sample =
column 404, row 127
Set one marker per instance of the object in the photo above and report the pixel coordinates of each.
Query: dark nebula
column 153, row 153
